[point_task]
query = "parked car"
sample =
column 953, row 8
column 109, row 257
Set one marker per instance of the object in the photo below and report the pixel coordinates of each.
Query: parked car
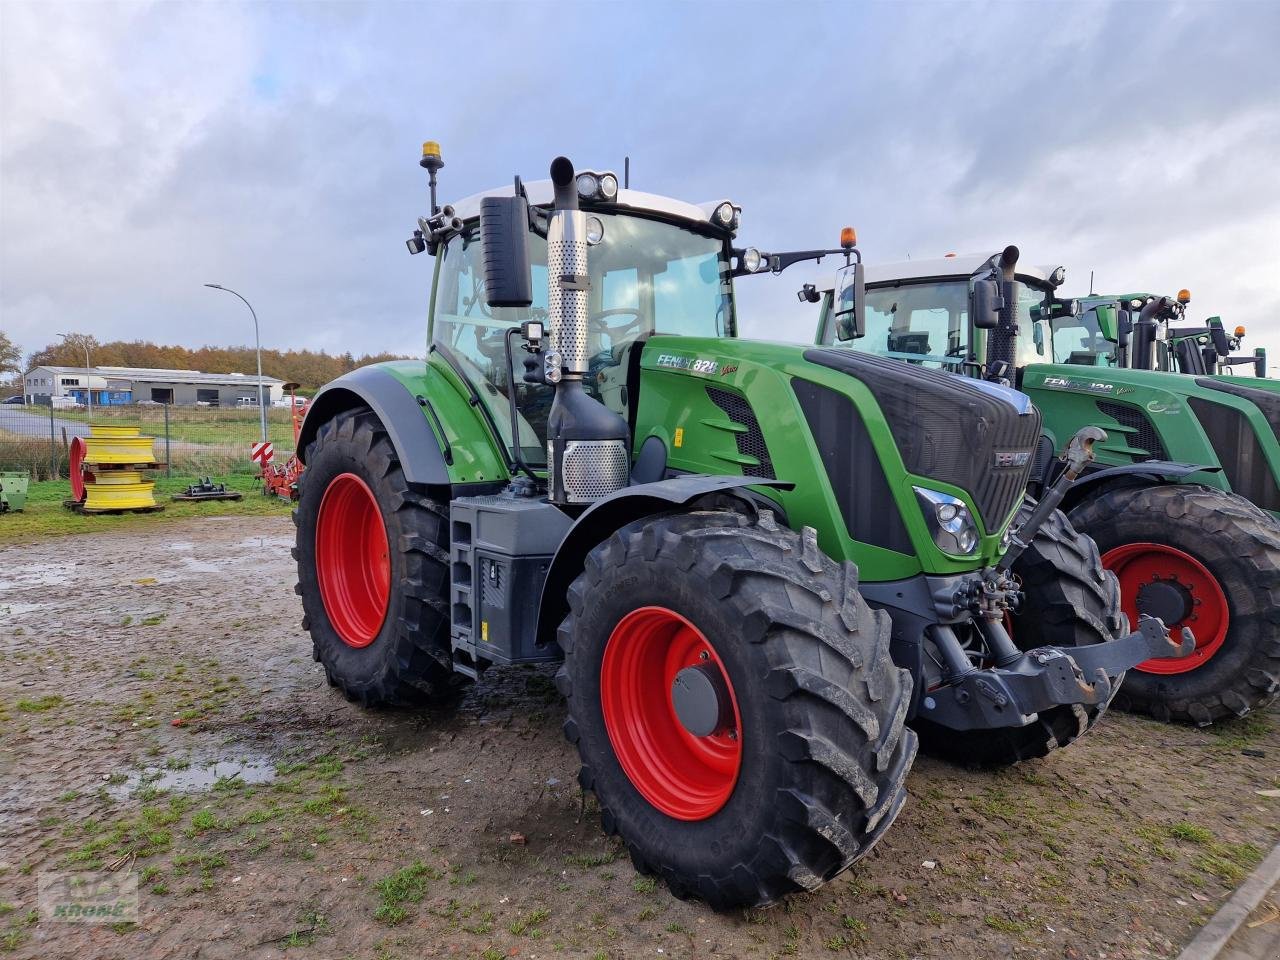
column 287, row 402
column 19, row 398
column 246, row 401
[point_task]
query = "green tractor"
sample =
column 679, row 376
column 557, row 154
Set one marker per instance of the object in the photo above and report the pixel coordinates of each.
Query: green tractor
column 1107, row 338
column 1182, row 496
column 746, row 606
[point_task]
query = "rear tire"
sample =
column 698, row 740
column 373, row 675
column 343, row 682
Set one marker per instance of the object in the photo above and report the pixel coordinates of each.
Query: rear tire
column 816, row 772
column 1069, row 600
column 1222, row 554
column 404, row 658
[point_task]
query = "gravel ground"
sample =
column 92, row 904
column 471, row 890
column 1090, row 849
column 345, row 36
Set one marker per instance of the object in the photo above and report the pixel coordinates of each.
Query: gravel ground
column 160, row 714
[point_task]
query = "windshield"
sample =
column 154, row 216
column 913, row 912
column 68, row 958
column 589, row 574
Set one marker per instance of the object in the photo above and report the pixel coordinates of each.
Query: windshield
column 928, row 324
column 923, row 323
column 647, row 276
column 1079, row 340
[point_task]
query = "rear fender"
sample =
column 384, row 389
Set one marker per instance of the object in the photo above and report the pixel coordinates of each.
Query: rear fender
column 615, row 511
column 402, row 416
column 1151, row 471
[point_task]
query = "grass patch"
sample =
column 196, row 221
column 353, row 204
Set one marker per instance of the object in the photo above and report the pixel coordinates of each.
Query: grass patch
column 406, row 885
column 530, row 923
column 40, row 704
column 45, row 516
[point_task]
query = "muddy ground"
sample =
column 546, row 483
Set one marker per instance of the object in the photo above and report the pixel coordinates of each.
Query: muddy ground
column 160, row 714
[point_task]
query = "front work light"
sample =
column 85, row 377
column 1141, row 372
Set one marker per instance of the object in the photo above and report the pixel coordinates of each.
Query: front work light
column 724, row 214
column 588, row 185
column 949, row 521
column 608, row 186
column 751, row 260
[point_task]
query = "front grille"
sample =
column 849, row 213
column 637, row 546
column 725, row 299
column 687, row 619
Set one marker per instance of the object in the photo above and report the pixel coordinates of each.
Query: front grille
column 1239, row 452
column 950, row 428
column 751, row 443
column 1266, row 401
column 853, row 469
column 1141, row 435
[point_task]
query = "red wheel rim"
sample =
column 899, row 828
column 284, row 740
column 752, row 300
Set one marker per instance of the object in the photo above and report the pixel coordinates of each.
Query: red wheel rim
column 684, row 776
column 76, row 467
column 1138, row 564
column 353, row 563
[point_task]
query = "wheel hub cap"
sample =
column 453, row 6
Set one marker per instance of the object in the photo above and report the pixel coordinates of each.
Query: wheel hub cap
column 1166, row 599
column 700, row 699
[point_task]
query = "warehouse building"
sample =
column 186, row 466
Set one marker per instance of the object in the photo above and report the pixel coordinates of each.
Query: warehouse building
column 116, row 386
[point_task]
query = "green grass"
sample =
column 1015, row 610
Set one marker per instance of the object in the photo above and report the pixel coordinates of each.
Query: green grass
column 406, row 885
column 39, row 705
column 45, row 516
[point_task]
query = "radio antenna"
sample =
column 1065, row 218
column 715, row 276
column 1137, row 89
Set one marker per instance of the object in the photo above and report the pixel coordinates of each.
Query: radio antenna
column 1091, row 283
column 626, row 173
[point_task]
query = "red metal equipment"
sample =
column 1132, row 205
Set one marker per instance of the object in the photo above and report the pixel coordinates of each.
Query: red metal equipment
column 282, row 481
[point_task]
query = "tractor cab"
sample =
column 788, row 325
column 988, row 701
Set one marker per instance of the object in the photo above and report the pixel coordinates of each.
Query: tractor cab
column 936, row 313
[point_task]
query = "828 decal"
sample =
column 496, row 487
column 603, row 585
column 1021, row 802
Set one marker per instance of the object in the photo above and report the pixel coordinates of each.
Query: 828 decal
column 675, row 361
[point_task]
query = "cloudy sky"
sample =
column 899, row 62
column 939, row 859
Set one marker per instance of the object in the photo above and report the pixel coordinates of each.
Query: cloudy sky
column 148, row 148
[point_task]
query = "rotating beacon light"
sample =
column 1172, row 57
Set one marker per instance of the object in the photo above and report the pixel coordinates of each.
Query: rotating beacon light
column 587, row 442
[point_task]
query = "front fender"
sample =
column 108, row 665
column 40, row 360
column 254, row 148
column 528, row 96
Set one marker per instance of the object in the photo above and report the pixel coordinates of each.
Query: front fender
column 605, row 516
column 404, row 419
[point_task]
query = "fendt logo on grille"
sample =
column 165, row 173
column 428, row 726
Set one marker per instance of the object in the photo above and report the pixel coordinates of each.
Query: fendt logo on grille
column 1009, row 458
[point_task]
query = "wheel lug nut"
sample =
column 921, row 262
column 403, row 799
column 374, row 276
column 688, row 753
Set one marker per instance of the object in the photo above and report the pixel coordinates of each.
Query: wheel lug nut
column 704, row 655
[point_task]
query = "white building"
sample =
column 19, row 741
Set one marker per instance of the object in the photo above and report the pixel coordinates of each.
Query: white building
column 116, row 386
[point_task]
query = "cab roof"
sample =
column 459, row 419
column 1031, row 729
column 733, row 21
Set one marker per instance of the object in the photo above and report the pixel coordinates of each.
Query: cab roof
column 960, row 265
column 541, row 194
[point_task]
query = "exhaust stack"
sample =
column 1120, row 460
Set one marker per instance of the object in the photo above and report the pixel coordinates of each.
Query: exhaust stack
column 587, row 443
column 1002, row 346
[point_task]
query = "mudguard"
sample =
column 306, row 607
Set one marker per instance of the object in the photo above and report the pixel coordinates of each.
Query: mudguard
column 1156, row 469
column 404, row 419
column 618, row 509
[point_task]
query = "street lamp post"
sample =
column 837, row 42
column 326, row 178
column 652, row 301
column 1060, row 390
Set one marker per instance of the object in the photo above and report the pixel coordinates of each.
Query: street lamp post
column 88, row 377
column 257, row 343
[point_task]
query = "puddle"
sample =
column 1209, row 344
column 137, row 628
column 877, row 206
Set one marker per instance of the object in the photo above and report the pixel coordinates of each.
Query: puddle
column 18, row 609
column 19, row 577
column 201, row 775
column 275, row 542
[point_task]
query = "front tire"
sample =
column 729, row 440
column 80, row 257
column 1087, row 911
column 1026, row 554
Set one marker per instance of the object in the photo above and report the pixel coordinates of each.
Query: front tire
column 1069, row 600
column 373, row 563
column 1204, row 559
column 801, row 765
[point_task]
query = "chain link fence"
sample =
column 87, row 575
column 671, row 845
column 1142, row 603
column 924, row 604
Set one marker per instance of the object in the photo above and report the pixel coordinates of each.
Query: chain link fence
column 190, row 441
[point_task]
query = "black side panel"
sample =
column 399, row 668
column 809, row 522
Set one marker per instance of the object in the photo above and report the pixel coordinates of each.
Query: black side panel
column 1146, row 438
column 853, row 468
column 403, row 419
column 1264, row 400
column 950, row 428
column 751, row 443
column 1239, row 452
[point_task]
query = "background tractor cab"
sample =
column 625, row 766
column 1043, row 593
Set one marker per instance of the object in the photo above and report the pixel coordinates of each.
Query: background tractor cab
column 1183, row 495
column 1114, row 333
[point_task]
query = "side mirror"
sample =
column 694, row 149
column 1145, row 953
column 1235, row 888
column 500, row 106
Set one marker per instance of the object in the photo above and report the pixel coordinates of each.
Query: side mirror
column 1218, row 335
column 1124, row 327
column 504, row 232
column 1260, row 362
column 1037, row 337
column 850, row 306
column 987, row 304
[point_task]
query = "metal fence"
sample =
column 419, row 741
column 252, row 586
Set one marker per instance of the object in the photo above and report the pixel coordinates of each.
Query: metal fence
column 190, row 441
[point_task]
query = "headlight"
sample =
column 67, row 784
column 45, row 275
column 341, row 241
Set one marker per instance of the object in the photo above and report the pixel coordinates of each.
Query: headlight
column 751, row 259
column 588, row 185
column 949, row 521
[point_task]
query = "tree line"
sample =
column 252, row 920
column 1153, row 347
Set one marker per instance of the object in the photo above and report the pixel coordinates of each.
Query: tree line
column 310, row 368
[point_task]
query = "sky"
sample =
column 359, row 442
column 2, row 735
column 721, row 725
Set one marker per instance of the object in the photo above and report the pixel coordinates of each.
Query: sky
column 146, row 149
